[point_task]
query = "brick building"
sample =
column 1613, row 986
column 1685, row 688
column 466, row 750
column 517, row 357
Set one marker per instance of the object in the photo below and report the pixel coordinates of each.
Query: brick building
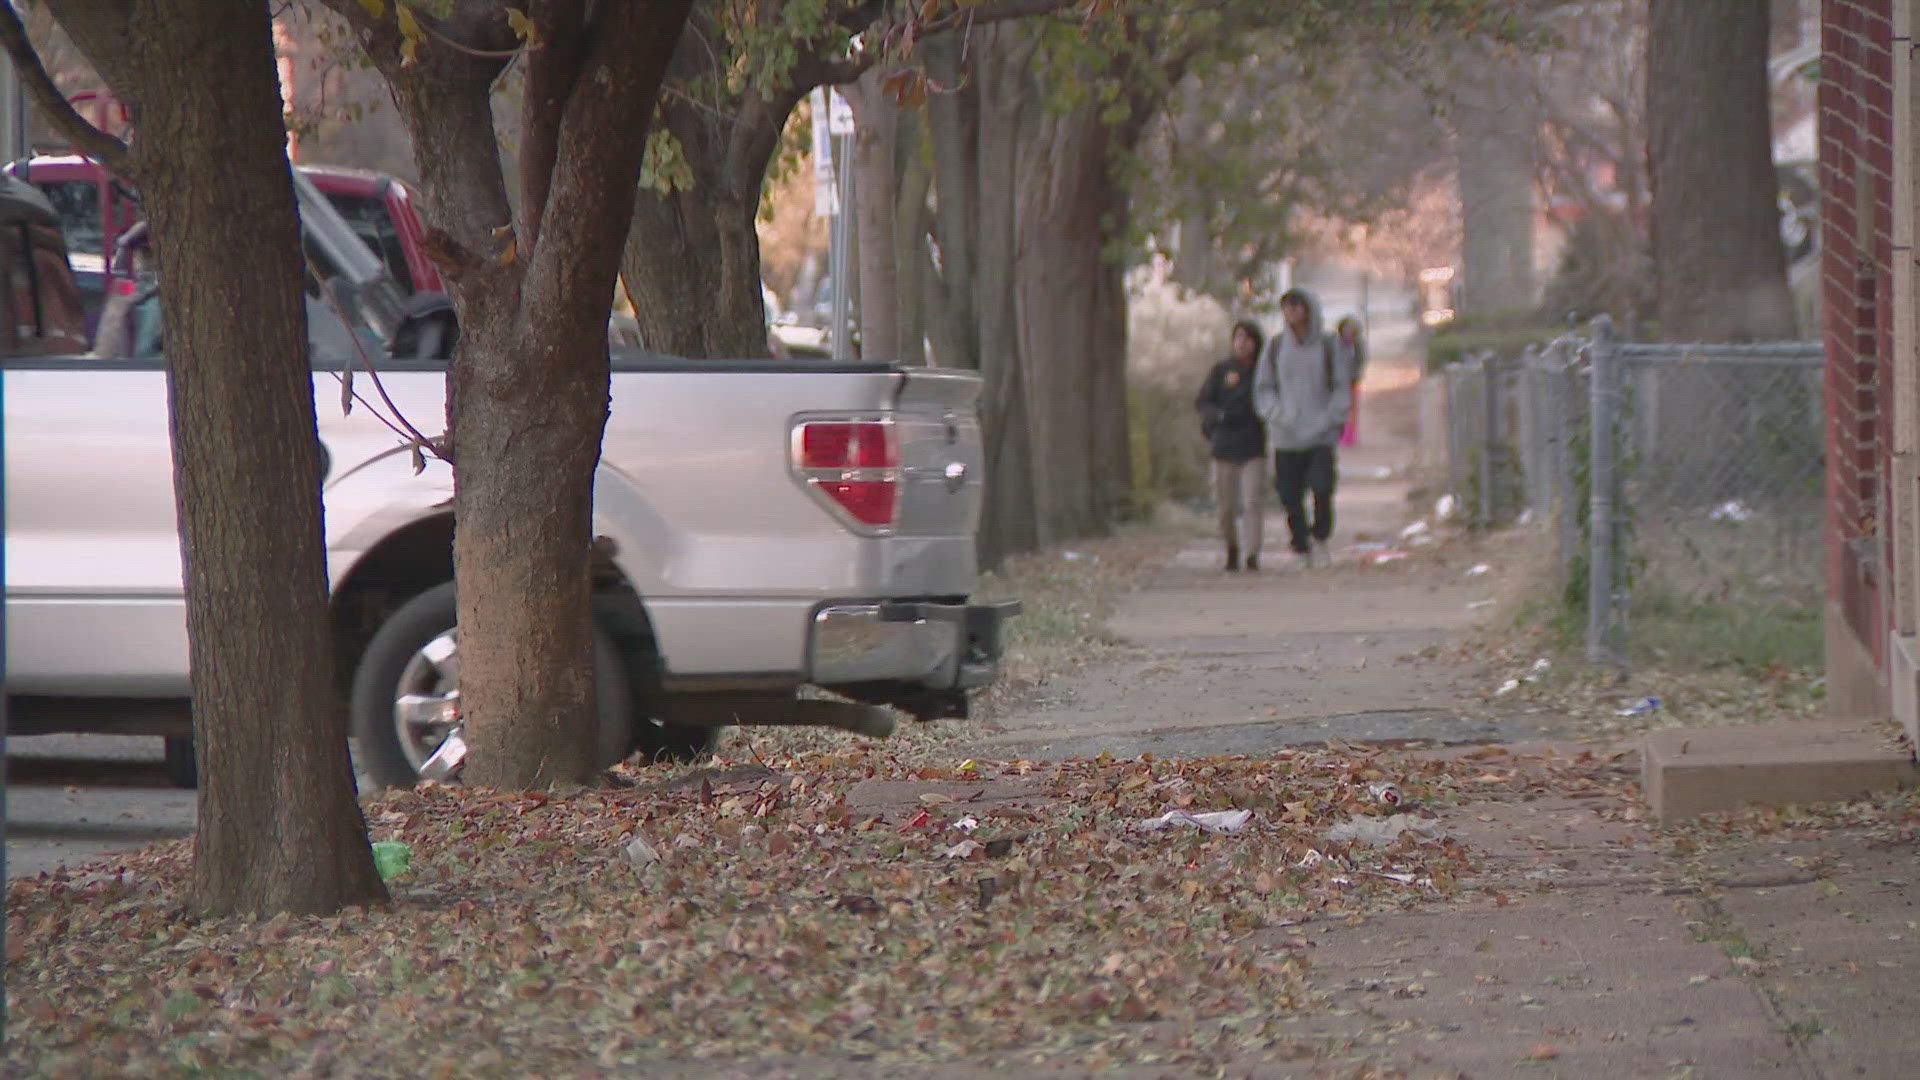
column 1867, row 173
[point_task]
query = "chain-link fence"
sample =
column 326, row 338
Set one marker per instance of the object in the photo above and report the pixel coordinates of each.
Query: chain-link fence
column 1693, row 530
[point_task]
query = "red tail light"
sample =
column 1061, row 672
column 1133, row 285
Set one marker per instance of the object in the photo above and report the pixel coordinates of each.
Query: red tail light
column 853, row 464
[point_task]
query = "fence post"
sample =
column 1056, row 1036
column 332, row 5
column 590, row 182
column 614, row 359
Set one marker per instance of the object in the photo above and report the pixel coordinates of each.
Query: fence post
column 1566, row 420
column 1490, row 434
column 1600, row 489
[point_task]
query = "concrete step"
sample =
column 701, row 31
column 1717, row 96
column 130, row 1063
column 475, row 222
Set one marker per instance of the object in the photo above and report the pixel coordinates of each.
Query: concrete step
column 1692, row 771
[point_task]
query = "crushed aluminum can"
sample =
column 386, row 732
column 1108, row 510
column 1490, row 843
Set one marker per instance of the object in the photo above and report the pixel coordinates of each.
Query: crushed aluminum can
column 1385, row 792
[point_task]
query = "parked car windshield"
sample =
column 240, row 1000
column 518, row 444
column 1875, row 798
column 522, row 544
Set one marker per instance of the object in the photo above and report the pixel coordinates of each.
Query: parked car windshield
column 373, row 223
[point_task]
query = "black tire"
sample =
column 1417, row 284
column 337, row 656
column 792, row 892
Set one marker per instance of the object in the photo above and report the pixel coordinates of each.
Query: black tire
column 409, row 629
column 182, row 770
column 657, row 741
column 939, row 705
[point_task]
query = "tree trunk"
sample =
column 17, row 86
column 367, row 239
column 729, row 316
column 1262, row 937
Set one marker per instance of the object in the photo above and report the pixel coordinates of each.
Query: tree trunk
column 953, row 123
column 672, row 269
column 911, row 222
column 692, row 256
column 1494, row 144
column 692, row 265
column 528, row 389
column 1010, row 523
column 1066, row 197
column 279, row 828
column 875, row 153
column 1719, row 262
column 529, row 405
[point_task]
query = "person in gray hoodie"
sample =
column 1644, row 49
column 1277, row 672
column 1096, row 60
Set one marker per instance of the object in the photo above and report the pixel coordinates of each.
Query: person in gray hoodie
column 1301, row 391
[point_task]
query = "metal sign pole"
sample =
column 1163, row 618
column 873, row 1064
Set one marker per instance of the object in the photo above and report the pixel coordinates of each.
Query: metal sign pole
column 840, row 127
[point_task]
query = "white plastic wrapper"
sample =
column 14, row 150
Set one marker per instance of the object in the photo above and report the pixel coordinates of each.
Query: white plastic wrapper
column 1216, row 821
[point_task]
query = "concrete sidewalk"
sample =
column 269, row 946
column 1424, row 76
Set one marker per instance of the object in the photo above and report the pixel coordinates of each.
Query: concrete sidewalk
column 1588, row 941
column 1594, row 945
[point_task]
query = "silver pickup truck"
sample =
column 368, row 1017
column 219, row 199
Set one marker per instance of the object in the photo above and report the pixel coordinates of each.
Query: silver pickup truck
column 761, row 527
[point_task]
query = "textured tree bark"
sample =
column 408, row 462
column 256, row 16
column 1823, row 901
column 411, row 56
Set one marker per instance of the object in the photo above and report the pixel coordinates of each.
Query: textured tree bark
column 911, row 222
column 1719, row 261
column 1064, row 200
column 875, row 153
column 1010, row 522
column 672, row 270
column 279, row 828
column 1494, row 150
column 697, row 249
column 953, row 124
column 527, row 393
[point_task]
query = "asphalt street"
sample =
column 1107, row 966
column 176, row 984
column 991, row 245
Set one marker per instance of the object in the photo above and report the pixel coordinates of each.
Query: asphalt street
column 74, row 798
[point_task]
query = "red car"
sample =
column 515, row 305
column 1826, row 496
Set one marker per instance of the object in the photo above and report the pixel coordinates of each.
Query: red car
column 380, row 209
column 96, row 208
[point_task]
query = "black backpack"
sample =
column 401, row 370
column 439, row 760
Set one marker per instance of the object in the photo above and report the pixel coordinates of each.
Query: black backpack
column 1326, row 358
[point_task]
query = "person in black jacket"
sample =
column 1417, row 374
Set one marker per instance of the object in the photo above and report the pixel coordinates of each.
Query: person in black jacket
column 1238, row 440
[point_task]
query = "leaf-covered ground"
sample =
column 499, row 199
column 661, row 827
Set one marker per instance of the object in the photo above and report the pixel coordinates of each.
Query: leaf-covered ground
column 754, row 910
column 819, row 898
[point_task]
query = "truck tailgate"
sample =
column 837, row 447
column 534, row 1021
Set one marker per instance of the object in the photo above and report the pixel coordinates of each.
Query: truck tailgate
column 942, row 460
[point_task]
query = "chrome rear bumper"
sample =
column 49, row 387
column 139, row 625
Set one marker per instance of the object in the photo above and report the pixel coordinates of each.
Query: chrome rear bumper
column 918, row 643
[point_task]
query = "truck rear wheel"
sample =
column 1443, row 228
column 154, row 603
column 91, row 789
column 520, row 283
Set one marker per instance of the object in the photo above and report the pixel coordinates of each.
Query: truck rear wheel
column 182, row 770
column 658, row 741
column 406, row 691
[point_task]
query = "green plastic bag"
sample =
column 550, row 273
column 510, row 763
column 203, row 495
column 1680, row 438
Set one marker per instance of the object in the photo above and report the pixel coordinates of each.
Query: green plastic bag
column 391, row 858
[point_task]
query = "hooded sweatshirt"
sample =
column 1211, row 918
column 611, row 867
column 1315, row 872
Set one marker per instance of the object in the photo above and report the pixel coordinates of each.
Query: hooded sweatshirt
column 1292, row 391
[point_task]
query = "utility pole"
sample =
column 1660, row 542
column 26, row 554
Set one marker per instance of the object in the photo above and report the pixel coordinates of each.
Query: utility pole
column 840, row 131
column 13, row 111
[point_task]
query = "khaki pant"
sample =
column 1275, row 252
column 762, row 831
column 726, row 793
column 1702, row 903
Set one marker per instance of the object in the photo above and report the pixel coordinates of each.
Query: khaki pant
column 1239, row 490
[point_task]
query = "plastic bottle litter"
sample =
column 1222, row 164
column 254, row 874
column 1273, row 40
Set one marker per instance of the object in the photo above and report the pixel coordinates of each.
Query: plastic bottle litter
column 1380, row 832
column 1639, row 708
column 1215, row 821
column 391, row 858
column 1733, row 510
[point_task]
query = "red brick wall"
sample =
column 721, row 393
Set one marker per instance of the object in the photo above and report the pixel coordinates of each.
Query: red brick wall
column 1856, row 182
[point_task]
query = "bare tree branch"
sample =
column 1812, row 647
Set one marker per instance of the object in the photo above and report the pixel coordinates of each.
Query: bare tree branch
column 86, row 138
column 551, row 75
